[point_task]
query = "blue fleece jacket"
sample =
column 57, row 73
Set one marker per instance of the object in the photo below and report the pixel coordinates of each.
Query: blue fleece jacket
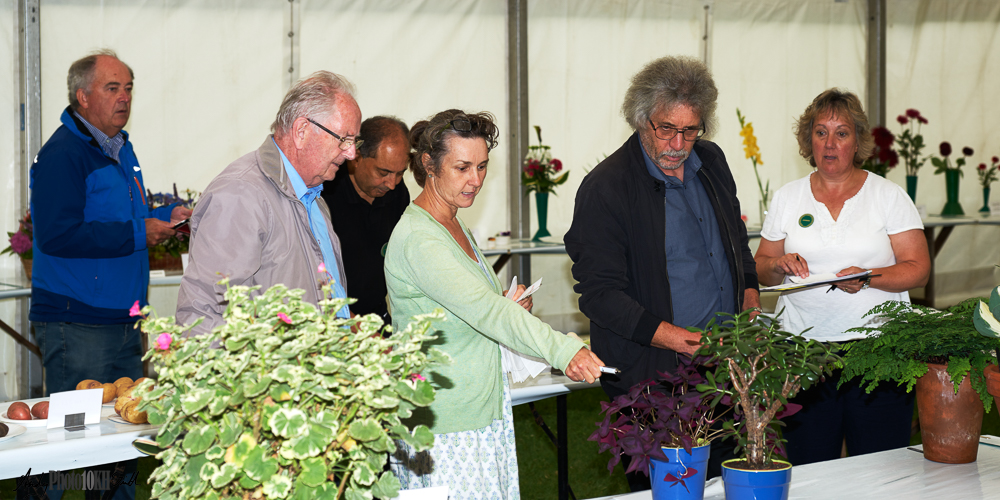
column 88, row 212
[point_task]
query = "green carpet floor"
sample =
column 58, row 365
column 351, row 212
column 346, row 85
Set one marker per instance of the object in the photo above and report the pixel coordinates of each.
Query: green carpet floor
column 536, row 454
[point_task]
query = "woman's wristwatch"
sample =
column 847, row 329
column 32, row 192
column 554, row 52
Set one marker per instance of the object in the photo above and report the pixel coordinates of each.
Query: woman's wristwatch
column 868, row 281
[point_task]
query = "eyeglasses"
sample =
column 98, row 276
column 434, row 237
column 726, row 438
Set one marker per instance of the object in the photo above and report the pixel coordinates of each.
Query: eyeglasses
column 345, row 142
column 667, row 133
column 460, row 124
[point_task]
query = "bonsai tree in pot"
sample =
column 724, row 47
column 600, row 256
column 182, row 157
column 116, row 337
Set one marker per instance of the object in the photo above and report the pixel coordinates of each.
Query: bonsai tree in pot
column 919, row 346
column 284, row 400
column 759, row 367
column 656, row 416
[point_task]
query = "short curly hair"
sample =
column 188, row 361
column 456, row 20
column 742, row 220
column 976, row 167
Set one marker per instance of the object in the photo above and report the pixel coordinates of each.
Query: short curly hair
column 431, row 137
column 845, row 105
column 667, row 82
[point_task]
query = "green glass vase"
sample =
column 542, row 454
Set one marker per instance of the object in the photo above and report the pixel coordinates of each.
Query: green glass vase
column 542, row 207
column 986, row 201
column 952, row 206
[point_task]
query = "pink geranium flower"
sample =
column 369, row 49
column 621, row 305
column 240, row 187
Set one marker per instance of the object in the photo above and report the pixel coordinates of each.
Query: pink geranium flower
column 135, row 311
column 321, row 268
column 284, row 317
column 163, row 341
column 417, row 376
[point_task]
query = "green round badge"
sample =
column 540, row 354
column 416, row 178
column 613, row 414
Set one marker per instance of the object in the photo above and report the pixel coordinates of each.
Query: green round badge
column 384, row 248
column 806, row 220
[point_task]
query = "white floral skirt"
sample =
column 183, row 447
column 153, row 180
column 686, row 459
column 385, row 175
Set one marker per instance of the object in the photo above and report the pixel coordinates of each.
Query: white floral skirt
column 480, row 464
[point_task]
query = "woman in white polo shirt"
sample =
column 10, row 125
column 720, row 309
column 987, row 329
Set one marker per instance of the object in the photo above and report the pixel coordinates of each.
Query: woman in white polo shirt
column 842, row 219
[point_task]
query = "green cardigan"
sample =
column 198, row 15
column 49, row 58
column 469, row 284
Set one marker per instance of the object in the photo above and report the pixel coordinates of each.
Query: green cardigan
column 426, row 269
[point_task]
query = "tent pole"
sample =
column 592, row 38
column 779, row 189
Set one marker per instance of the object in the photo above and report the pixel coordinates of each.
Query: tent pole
column 876, row 62
column 517, row 134
column 28, row 41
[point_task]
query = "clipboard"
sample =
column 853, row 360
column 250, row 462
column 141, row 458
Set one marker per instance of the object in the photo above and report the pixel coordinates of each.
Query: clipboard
column 816, row 280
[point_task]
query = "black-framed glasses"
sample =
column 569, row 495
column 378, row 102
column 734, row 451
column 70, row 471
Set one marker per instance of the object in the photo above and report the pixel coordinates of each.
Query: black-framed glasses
column 460, row 124
column 667, row 133
column 345, row 142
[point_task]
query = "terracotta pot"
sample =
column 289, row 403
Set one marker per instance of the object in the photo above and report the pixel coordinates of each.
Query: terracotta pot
column 993, row 383
column 949, row 423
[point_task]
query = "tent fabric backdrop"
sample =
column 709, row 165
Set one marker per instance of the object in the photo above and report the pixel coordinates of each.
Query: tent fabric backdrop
column 210, row 75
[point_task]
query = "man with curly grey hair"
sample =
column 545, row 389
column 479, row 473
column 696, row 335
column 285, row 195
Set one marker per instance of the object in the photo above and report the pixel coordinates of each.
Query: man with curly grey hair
column 657, row 239
column 262, row 220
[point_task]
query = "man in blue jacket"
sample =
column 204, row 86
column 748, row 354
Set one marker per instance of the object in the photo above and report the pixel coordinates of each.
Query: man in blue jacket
column 92, row 226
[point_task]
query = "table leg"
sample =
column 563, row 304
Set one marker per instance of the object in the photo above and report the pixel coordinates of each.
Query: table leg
column 501, row 261
column 561, row 447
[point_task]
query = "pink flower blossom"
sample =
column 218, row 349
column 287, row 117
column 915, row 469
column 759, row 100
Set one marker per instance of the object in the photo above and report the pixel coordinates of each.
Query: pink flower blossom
column 417, row 376
column 284, row 317
column 135, row 311
column 163, row 341
column 556, row 165
column 20, row 242
column 322, row 268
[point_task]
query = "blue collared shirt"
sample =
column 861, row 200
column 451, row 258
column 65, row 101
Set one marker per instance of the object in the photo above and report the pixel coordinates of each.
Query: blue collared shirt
column 700, row 281
column 109, row 145
column 308, row 195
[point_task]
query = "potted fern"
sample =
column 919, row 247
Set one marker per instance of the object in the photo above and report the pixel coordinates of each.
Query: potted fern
column 666, row 427
column 759, row 367
column 942, row 356
column 284, row 400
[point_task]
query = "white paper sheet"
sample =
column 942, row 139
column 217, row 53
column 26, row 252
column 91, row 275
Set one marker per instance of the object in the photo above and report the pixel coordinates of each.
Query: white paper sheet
column 521, row 366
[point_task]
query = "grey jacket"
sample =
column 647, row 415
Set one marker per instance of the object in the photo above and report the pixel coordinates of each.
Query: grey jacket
column 249, row 226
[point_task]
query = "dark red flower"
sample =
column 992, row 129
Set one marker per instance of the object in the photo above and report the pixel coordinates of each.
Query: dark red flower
column 912, row 113
column 982, row 167
column 922, row 120
column 556, row 164
column 945, row 148
column 883, row 138
column 967, row 151
column 996, row 160
column 902, row 120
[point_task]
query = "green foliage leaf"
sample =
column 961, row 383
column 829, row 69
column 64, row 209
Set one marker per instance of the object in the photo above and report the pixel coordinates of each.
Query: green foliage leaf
column 313, row 471
column 277, row 486
column 195, row 400
column 387, row 486
column 363, row 474
column 199, row 439
column 365, row 430
column 259, row 466
column 288, row 422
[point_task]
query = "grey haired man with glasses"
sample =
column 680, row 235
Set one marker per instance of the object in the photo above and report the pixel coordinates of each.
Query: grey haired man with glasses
column 657, row 239
column 262, row 220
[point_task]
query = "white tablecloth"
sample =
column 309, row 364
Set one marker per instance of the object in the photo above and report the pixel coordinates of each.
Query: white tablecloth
column 902, row 473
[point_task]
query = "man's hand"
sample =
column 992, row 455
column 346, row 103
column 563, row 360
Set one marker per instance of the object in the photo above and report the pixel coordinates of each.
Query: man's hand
column 157, row 231
column 585, row 365
column 676, row 339
column 751, row 299
column 178, row 214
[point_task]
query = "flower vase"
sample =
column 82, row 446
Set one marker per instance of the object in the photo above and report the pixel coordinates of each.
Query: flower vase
column 952, row 206
column 682, row 476
column 911, row 187
column 986, row 201
column 542, row 206
column 763, row 211
column 26, row 264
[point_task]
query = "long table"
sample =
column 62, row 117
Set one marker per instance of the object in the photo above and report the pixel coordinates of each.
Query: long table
column 44, row 450
column 900, row 473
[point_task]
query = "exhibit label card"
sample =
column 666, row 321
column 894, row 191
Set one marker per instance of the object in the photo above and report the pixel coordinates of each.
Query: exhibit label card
column 75, row 408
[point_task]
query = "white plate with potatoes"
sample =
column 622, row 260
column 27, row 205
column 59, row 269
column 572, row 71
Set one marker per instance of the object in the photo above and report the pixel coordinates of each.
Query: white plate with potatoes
column 22, row 414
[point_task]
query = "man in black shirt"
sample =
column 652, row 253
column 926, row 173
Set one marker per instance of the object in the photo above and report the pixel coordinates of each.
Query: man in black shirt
column 365, row 206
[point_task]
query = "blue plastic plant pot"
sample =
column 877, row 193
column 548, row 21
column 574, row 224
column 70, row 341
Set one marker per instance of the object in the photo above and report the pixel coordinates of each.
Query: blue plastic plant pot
column 757, row 484
column 682, row 477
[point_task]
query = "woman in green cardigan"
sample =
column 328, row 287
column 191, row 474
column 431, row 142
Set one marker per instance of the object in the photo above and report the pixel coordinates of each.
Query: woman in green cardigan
column 432, row 262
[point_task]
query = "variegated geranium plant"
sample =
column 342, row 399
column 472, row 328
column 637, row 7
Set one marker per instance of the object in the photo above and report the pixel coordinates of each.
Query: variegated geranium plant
column 285, row 400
